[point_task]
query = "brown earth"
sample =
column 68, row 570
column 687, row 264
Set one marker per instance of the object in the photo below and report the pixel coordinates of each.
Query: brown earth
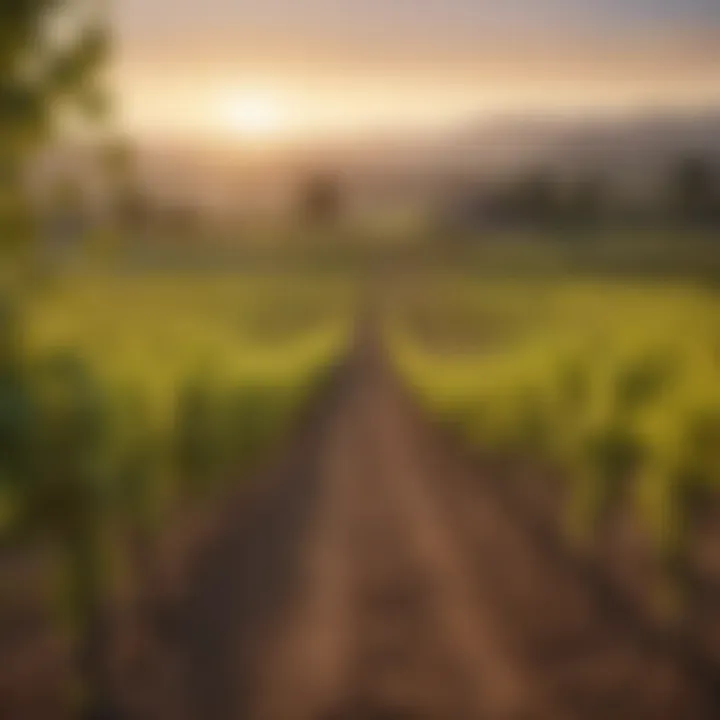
column 376, row 574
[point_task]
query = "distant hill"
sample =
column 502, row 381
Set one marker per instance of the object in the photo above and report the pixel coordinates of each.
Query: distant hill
column 628, row 151
column 640, row 145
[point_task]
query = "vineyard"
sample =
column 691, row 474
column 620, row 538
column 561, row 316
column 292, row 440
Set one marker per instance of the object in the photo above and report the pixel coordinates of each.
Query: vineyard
column 288, row 494
column 606, row 393
column 127, row 402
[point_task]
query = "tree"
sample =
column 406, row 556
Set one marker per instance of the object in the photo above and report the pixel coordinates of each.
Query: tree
column 695, row 190
column 538, row 197
column 530, row 199
column 41, row 78
column 130, row 207
column 51, row 52
column 587, row 202
column 321, row 199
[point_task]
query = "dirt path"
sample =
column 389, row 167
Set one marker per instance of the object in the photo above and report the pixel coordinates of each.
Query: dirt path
column 377, row 578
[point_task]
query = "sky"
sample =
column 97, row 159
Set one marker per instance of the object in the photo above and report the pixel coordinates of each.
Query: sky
column 283, row 69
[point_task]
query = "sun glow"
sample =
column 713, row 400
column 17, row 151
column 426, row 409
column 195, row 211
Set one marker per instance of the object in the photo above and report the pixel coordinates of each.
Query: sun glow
column 256, row 115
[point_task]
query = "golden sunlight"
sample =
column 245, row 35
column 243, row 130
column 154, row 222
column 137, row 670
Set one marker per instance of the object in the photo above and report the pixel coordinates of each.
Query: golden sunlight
column 256, row 115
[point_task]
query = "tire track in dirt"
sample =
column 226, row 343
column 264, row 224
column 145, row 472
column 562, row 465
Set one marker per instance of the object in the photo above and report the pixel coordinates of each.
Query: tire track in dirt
column 387, row 626
column 461, row 667
column 304, row 660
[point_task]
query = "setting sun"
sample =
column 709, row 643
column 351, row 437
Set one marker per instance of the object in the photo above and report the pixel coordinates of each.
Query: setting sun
column 256, row 115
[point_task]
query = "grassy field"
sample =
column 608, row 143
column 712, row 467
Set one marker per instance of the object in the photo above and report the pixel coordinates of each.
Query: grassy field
column 614, row 383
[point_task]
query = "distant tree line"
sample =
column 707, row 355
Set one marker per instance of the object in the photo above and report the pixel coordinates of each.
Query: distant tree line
column 687, row 195
column 136, row 214
column 126, row 206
